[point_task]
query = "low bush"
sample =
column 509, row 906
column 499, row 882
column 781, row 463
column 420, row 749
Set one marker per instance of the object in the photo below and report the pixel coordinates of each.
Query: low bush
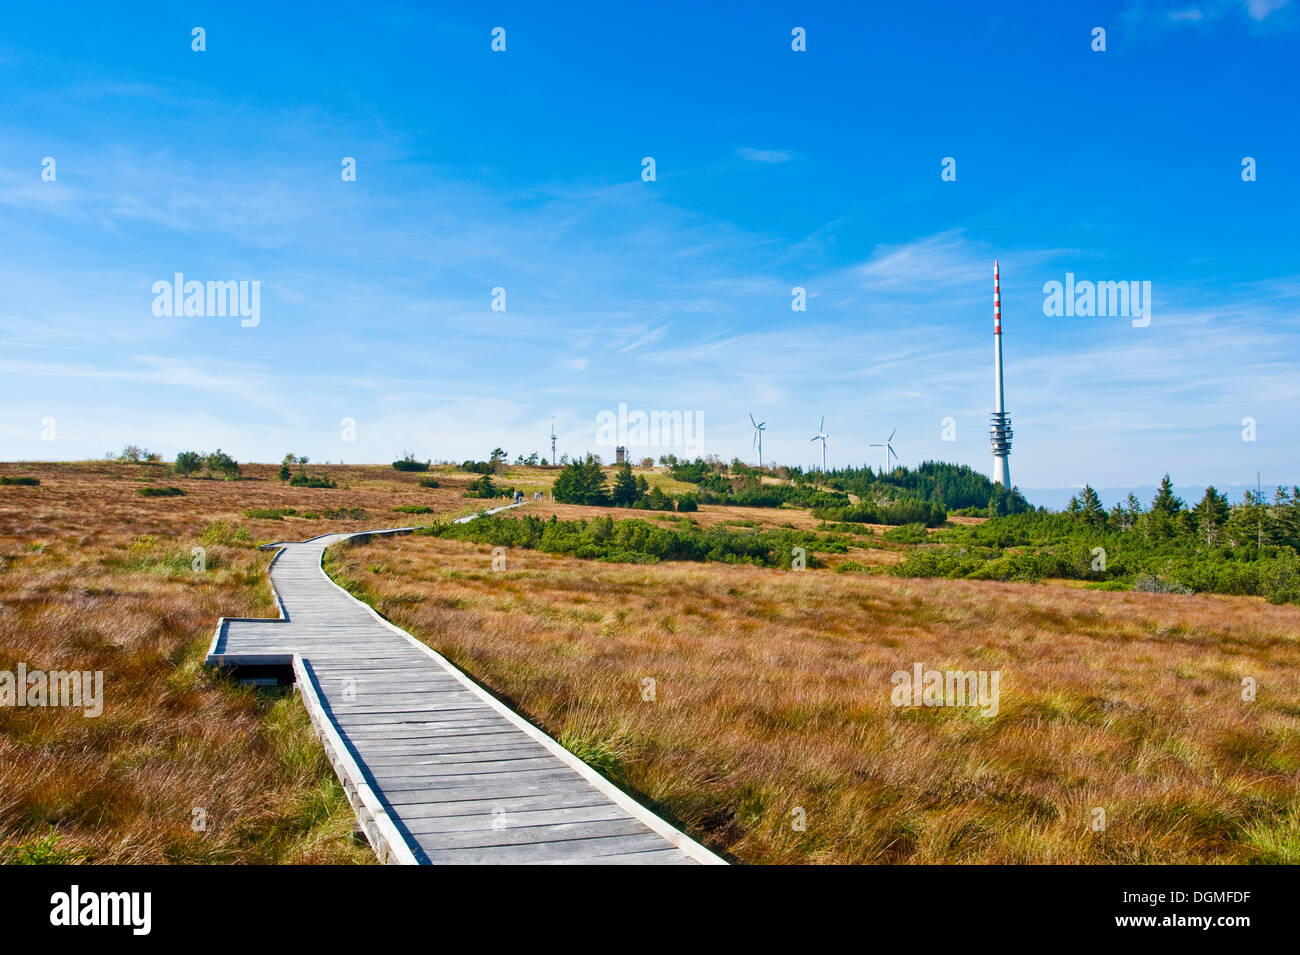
column 906, row 511
column 906, row 534
column 408, row 463
column 302, row 479
column 161, row 492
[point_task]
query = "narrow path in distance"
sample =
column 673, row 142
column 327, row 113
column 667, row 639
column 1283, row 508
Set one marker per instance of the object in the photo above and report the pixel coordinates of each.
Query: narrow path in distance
column 438, row 770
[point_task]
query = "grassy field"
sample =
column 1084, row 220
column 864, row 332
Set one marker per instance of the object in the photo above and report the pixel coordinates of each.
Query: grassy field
column 95, row 576
column 771, row 688
column 772, row 703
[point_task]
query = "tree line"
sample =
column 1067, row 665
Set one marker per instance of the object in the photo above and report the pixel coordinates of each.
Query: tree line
column 1251, row 547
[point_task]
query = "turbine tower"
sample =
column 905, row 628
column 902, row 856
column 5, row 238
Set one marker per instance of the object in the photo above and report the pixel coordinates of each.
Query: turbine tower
column 1000, row 430
column 758, row 436
column 821, row 436
column 889, row 450
column 553, row 437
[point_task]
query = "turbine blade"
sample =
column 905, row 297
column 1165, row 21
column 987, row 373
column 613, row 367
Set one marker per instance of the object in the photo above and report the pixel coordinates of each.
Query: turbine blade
column 891, row 435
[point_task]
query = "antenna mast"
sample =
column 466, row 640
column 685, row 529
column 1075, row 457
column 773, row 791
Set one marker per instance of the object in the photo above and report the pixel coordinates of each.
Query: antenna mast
column 1000, row 430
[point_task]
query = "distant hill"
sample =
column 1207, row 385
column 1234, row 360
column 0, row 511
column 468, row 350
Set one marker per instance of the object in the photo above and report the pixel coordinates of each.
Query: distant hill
column 954, row 486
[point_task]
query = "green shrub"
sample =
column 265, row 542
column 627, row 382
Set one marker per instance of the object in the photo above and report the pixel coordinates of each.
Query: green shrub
column 938, row 562
column 41, row 850
column 429, row 482
column 22, row 480
column 906, row 534
column 1279, row 579
column 408, row 463
column 161, row 492
column 302, row 479
column 905, row 511
column 484, row 488
column 220, row 532
column 413, row 509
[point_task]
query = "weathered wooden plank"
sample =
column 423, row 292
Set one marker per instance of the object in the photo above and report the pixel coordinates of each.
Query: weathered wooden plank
column 452, row 791
column 499, row 818
column 547, row 800
column 580, row 832
column 572, row 850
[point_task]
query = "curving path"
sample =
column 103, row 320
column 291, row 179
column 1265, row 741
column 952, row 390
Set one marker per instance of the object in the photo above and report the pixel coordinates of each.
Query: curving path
column 437, row 769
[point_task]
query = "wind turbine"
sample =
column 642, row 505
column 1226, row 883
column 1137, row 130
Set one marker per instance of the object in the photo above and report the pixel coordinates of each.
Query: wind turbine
column 889, row 449
column 821, row 436
column 758, row 436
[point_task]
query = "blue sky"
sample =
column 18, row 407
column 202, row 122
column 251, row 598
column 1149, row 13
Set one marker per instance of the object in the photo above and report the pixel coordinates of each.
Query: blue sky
column 775, row 169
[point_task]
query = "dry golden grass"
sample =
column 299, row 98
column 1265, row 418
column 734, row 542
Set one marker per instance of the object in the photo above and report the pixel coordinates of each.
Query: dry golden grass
column 772, row 688
column 95, row 577
column 773, row 695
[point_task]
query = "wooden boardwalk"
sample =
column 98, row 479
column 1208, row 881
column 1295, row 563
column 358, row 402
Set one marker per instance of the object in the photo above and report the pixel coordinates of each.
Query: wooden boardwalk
column 437, row 769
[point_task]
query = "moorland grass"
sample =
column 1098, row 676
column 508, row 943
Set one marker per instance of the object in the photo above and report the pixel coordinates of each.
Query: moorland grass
column 772, row 702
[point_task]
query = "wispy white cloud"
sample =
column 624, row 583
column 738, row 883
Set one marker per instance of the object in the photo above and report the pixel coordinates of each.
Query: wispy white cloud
column 1260, row 13
column 771, row 156
column 641, row 336
column 1260, row 9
